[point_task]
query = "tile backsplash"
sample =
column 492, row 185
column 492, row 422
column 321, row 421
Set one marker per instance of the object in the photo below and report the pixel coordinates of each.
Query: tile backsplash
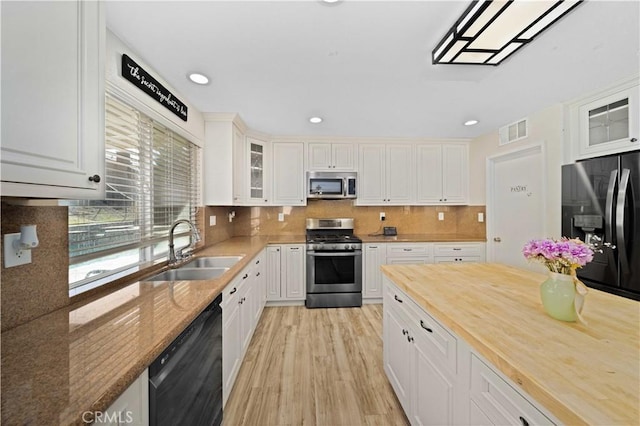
column 458, row 220
column 32, row 290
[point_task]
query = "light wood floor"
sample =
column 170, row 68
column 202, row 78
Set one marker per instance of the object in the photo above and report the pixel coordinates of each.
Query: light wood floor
column 315, row 367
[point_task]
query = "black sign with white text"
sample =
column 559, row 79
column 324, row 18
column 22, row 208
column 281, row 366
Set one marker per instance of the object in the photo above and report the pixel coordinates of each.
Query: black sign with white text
column 143, row 81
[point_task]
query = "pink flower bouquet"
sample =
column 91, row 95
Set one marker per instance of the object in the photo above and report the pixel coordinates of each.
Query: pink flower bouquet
column 562, row 256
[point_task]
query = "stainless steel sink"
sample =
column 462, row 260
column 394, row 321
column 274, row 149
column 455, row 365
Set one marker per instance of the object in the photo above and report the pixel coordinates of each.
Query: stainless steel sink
column 213, row 262
column 188, row 274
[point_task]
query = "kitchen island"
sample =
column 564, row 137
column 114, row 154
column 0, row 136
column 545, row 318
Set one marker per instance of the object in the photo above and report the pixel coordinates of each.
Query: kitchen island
column 579, row 373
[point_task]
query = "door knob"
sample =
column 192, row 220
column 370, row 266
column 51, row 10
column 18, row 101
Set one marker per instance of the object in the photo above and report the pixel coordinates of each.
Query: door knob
column 497, row 239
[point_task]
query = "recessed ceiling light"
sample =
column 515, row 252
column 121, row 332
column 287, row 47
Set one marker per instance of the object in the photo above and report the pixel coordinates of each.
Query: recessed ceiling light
column 330, row 1
column 198, row 78
column 315, row 120
column 470, row 122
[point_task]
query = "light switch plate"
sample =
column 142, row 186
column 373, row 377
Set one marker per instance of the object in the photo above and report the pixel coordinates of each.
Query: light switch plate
column 13, row 257
column 280, row 217
column 480, row 217
column 440, row 215
column 382, row 216
column 212, row 220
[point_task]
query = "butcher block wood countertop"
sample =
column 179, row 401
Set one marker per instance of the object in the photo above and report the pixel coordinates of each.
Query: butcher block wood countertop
column 581, row 373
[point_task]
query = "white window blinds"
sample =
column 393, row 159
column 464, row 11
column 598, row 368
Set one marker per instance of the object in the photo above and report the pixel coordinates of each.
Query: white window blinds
column 152, row 180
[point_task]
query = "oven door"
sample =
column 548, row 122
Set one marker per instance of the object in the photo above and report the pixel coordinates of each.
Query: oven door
column 334, row 272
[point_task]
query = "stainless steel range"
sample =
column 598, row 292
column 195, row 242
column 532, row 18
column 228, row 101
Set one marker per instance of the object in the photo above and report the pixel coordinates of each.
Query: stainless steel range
column 334, row 264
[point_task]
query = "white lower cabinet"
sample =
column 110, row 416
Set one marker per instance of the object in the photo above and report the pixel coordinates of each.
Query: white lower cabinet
column 418, row 370
column 286, row 275
column 498, row 401
column 439, row 379
column 458, row 252
column 433, row 389
column 374, row 256
column 409, row 253
column 131, row 407
column 242, row 303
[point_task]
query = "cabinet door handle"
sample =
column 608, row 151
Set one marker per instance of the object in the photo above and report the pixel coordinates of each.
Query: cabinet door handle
column 245, row 276
column 404, row 332
column 425, row 327
column 457, row 248
column 407, row 249
column 409, row 339
column 523, row 421
column 395, row 296
column 258, row 274
column 94, row 178
column 257, row 262
column 634, row 139
column 372, row 247
column 233, row 291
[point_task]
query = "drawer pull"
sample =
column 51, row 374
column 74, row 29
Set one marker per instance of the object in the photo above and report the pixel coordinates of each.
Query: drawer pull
column 409, row 339
column 395, row 296
column 425, row 327
column 233, row 291
column 404, row 332
column 457, row 248
column 524, row 421
column 407, row 249
column 258, row 274
column 245, row 276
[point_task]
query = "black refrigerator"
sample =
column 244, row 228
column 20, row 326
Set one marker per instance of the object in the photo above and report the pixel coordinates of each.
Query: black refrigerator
column 601, row 205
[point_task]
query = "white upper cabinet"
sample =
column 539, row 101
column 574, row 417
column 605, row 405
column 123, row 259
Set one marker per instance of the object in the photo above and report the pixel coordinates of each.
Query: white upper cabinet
column 258, row 157
column 610, row 124
column 331, row 156
column 386, row 174
column 288, row 183
column 224, row 162
column 442, row 173
column 53, row 60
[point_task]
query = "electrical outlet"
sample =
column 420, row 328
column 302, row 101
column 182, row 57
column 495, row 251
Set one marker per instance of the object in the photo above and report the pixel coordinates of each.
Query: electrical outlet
column 480, row 217
column 440, row 215
column 382, row 216
column 212, row 220
column 280, row 217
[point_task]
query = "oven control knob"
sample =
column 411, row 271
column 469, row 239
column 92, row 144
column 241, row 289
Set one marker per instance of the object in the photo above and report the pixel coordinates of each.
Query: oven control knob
column 347, row 247
column 333, row 247
column 316, row 246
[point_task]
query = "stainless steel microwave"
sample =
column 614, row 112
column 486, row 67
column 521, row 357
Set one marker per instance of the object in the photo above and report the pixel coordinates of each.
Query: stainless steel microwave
column 331, row 185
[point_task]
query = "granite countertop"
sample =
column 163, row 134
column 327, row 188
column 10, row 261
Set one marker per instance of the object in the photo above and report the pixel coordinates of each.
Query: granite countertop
column 82, row 357
column 582, row 374
column 420, row 238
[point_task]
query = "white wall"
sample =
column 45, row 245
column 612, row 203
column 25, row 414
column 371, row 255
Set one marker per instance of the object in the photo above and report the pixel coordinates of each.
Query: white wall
column 545, row 125
column 192, row 129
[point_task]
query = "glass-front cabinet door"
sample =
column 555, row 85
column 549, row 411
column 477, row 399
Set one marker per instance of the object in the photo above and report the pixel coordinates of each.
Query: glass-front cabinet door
column 610, row 124
column 257, row 157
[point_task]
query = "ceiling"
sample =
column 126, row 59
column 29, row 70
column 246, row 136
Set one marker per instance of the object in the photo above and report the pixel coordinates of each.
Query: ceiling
column 365, row 66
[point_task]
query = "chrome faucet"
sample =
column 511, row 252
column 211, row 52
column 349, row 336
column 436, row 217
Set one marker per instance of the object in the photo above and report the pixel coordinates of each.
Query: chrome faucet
column 177, row 257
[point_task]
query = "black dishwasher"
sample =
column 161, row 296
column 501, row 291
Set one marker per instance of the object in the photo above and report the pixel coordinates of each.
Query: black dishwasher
column 185, row 381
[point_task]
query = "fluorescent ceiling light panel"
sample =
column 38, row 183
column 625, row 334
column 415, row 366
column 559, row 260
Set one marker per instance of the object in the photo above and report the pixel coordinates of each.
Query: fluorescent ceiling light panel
column 489, row 31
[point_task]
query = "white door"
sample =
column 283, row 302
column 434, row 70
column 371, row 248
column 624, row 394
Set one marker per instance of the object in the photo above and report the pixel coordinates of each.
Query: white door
column 515, row 204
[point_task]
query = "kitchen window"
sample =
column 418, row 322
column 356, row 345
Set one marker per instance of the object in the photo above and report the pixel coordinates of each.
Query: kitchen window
column 152, row 179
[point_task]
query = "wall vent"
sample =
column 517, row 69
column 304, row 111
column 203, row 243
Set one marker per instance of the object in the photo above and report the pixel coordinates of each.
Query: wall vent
column 514, row 131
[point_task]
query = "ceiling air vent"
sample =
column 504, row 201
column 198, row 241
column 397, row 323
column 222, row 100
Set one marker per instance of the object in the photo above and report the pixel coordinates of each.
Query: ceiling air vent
column 514, row 131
